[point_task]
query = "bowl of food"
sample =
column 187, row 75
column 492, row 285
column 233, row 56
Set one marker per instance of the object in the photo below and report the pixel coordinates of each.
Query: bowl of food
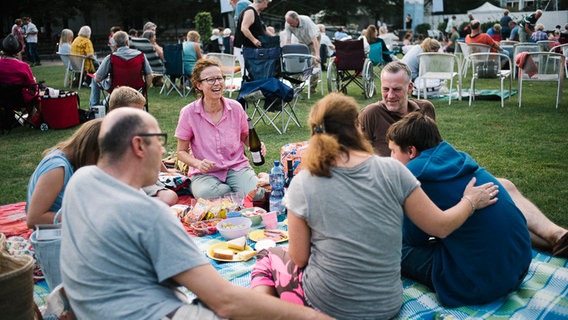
column 254, row 214
column 205, row 227
column 232, row 228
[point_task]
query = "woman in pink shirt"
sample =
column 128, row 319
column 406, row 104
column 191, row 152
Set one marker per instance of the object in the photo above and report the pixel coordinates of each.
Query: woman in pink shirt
column 212, row 132
column 12, row 70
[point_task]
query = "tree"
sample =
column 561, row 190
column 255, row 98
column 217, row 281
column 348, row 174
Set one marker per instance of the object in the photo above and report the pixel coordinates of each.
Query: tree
column 203, row 25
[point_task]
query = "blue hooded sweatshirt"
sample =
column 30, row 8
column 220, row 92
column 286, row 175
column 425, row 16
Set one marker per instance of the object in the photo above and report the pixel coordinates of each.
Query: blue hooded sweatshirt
column 488, row 256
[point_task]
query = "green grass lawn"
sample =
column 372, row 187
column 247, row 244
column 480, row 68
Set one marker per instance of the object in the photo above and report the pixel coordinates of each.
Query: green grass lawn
column 529, row 145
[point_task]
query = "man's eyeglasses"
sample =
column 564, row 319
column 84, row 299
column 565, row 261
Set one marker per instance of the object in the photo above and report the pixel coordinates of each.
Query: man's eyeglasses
column 211, row 81
column 162, row 136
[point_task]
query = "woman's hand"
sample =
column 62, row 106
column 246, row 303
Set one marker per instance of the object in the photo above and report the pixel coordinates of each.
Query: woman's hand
column 205, row 165
column 262, row 149
column 481, row 196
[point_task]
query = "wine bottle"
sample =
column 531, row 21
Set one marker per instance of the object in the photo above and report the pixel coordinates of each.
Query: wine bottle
column 289, row 174
column 254, row 144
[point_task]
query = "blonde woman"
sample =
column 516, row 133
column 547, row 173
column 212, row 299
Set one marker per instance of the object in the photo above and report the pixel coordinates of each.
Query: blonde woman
column 64, row 45
column 191, row 51
column 411, row 57
column 47, row 183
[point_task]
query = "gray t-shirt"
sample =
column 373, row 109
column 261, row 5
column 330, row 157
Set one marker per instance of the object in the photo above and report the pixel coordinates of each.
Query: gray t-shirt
column 119, row 248
column 355, row 219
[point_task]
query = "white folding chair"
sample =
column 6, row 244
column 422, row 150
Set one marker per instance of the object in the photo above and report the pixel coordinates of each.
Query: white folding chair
column 229, row 69
column 543, row 66
column 508, row 42
column 546, row 45
column 75, row 66
column 523, row 47
column 463, row 55
column 434, row 65
column 487, row 65
column 563, row 48
column 297, row 60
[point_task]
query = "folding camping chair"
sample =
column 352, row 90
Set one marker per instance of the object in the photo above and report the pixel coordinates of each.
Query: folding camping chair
column 127, row 73
column 377, row 60
column 262, row 88
column 173, row 60
column 19, row 104
column 297, row 64
column 277, row 97
column 350, row 65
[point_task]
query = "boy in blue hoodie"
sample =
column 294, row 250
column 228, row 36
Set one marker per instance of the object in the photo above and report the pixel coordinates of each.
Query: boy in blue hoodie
column 489, row 255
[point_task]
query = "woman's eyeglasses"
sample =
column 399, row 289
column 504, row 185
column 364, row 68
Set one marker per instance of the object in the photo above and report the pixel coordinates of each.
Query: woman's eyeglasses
column 162, row 136
column 212, row 81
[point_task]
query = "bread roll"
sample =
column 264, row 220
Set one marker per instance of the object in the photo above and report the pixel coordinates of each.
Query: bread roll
column 225, row 254
column 239, row 243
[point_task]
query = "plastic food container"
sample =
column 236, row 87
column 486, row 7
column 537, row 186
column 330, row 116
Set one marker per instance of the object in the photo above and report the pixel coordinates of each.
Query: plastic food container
column 234, row 214
column 232, row 228
column 205, row 227
column 254, row 214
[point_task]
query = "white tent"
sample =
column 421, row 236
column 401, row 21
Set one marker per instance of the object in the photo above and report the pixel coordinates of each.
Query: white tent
column 486, row 8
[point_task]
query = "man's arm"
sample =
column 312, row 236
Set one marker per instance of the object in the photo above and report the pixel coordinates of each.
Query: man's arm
column 248, row 19
column 148, row 70
column 288, row 33
column 316, row 44
column 234, row 302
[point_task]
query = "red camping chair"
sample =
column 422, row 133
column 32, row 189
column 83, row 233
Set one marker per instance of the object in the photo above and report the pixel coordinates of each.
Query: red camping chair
column 128, row 73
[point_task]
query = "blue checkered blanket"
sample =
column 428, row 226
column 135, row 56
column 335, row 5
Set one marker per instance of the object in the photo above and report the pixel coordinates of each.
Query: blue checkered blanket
column 542, row 295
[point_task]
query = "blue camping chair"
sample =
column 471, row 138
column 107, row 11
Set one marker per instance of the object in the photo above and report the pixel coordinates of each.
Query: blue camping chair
column 264, row 62
column 278, row 97
column 173, row 61
column 263, row 90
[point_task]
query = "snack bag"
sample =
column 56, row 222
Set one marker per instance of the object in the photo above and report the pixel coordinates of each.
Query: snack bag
column 198, row 212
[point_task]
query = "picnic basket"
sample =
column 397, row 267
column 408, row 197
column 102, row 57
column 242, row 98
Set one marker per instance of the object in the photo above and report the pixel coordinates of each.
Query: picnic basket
column 16, row 285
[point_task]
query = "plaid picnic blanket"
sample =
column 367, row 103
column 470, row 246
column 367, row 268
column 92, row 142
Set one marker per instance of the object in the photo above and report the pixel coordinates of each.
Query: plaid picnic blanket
column 542, row 295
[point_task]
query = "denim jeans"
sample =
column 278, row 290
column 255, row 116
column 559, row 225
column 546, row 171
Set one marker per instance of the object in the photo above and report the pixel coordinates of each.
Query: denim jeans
column 32, row 51
column 416, row 262
column 95, row 98
column 209, row 187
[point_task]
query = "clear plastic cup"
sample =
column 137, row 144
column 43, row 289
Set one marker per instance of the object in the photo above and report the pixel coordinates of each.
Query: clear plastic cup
column 237, row 198
column 270, row 220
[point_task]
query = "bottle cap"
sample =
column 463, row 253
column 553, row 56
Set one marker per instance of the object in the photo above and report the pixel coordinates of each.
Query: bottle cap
column 276, row 163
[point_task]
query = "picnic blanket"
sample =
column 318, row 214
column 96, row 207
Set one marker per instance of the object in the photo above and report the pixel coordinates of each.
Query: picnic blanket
column 542, row 295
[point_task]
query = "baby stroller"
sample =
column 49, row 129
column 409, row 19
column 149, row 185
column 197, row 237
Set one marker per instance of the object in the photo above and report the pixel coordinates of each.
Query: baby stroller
column 350, row 65
column 19, row 105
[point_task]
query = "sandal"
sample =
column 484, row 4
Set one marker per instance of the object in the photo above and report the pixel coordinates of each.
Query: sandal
column 560, row 248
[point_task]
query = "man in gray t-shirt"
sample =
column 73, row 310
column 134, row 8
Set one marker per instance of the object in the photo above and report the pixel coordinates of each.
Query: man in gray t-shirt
column 124, row 254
